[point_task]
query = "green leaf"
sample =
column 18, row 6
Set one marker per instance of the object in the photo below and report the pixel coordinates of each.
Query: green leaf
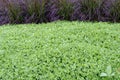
column 103, row 74
column 109, row 70
column 112, row 74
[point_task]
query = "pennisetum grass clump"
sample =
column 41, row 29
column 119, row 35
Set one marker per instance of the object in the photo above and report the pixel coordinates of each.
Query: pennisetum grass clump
column 37, row 11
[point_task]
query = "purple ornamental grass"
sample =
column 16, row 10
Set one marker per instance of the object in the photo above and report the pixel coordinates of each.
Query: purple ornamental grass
column 65, row 9
column 115, row 11
column 3, row 13
column 52, row 10
column 37, row 11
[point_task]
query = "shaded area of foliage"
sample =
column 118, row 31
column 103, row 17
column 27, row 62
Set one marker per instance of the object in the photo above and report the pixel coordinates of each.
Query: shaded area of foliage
column 37, row 11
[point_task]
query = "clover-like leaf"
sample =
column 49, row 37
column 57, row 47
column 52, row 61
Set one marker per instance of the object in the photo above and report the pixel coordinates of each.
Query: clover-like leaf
column 109, row 70
column 103, row 75
column 112, row 74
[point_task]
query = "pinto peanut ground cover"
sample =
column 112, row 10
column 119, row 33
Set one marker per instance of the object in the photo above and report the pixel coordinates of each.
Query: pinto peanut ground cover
column 59, row 51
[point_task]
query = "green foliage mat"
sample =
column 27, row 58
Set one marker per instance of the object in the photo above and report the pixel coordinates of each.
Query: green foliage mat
column 59, row 51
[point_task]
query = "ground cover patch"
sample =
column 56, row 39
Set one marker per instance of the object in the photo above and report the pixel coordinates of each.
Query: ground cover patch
column 59, row 50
